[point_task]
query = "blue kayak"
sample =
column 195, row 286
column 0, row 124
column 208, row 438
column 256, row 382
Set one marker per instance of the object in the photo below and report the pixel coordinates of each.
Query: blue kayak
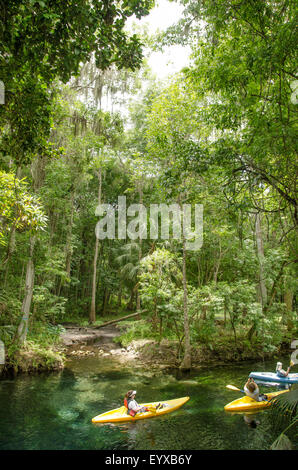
column 273, row 377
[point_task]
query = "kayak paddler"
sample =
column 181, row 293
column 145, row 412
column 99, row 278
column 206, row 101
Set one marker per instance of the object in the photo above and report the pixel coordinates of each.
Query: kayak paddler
column 132, row 406
column 281, row 372
column 252, row 390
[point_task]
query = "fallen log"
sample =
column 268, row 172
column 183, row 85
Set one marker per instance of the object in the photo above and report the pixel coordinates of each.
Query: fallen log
column 120, row 319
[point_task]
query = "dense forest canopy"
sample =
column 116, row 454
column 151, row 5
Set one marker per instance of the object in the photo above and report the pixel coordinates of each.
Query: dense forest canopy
column 221, row 133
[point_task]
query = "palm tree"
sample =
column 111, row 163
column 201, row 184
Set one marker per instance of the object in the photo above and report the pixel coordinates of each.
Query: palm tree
column 284, row 411
column 129, row 261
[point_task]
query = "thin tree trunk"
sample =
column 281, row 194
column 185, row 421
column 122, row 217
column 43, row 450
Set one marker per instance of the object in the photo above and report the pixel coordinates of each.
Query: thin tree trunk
column 130, row 303
column 225, row 315
column 138, row 299
column 38, row 173
column 105, row 301
column 288, row 300
column 68, row 248
column 186, row 362
column 92, row 316
column 260, row 252
column 216, row 267
column 23, row 326
column 199, row 271
column 21, row 281
column 262, row 286
column 120, row 297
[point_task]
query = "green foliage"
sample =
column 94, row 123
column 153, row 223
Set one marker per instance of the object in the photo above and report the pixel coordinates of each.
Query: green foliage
column 45, row 334
column 44, row 41
column 284, row 415
column 244, row 66
column 282, row 443
column 18, row 208
column 220, row 133
column 133, row 331
column 49, row 307
column 158, row 284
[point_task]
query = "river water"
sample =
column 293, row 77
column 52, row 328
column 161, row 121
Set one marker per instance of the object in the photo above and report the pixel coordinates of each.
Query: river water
column 54, row 410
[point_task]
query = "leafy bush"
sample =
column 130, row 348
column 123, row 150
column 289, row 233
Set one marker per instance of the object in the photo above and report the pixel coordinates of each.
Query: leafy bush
column 141, row 329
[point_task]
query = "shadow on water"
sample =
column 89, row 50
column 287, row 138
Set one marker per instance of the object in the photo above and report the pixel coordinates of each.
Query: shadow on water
column 54, row 411
column 67, row 379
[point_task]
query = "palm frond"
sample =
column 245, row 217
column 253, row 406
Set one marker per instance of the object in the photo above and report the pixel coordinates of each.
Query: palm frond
column 282, row 443
column 286, row 404
column 129, row 271
column 284, row 410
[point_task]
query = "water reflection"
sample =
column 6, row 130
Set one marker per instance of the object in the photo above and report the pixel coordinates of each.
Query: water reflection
column 251, row 420
column 54, row 411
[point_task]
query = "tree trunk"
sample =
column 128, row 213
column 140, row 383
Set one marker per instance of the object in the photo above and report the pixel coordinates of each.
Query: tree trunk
column 138, row 300
column 203, row 315
column 199, row 271
column 186, row 362
column 217, row 265
column 262, row 286
column 137, row 314
column 38, row 174
column 130, row 303
column 260, row 252
column 68, row 248
column 119, row 297
column 155, row 316
column 23, row 326
column 288, row 300
column 92, row 316
column 106, row 299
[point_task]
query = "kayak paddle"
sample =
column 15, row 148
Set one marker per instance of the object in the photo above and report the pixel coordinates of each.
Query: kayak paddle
column 231, row 387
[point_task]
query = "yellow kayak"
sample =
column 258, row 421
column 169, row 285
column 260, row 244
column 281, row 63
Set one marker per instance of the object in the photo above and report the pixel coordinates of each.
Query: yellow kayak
column 119, row 415
column 249, row 404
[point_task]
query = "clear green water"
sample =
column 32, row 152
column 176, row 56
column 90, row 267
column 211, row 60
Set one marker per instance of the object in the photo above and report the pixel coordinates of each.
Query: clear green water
column 54, row 411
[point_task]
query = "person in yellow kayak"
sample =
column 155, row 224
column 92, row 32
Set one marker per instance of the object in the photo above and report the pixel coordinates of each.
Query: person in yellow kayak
column 281, row 372
column 133, row 407
column 252, row 390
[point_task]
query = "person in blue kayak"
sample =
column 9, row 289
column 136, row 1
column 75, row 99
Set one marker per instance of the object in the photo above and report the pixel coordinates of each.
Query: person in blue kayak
column 252, row 390
column 280, row 371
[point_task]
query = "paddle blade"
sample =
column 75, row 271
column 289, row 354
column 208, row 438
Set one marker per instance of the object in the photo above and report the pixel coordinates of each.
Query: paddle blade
column 231, row 387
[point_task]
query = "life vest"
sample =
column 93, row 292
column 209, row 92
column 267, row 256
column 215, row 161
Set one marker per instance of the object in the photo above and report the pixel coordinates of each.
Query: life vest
column 130, row 412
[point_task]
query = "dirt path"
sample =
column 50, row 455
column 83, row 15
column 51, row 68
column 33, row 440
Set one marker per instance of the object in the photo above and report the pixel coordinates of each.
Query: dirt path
column 75, row 335
column 88, row 341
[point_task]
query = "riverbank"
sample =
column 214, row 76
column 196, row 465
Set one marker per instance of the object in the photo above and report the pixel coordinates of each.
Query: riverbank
column 77, row 341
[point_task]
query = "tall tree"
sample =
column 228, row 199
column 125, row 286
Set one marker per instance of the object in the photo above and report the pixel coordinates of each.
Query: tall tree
column 92, row 316
column 46, row 40
column 244, row 70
